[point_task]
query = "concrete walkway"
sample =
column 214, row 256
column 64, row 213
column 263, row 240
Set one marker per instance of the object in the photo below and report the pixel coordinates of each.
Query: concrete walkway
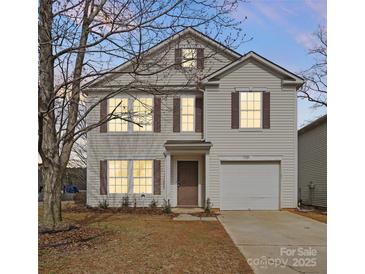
column 188, row 217
column 278, row 241
column 187, row 210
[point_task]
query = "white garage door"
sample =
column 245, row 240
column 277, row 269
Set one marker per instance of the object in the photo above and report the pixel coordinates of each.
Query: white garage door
column 249, row 185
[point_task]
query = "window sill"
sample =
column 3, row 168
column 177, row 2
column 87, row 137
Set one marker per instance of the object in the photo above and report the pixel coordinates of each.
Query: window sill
column 138, row 195
column 130, row 133
column 250, row 129
column 188, row 70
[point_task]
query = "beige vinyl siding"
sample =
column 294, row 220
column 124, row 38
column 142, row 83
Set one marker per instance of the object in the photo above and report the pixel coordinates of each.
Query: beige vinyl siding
column 145, row 145
column 278, row 142
column 136, row 145
column 165, row 58
column 312, row 164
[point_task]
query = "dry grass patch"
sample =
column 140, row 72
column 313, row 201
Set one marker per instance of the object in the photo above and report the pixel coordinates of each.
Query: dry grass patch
column 315, row 215
column 107, row 242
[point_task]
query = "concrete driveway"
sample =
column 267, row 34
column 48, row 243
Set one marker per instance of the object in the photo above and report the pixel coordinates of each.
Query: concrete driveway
column 278, row 241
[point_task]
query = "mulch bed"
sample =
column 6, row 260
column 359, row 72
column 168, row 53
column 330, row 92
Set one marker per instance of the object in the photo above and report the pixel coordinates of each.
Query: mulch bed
column 126, row 210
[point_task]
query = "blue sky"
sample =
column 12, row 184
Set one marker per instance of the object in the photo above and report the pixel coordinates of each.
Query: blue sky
column 282, row 32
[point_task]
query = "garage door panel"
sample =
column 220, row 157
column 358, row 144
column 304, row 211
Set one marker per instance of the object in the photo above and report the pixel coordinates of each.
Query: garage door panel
column 251, row 204
column 249, row 186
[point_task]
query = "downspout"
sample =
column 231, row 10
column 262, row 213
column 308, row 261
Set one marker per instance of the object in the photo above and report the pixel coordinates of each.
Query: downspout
column 204, row 113
column 166, row 177
column 204, row 139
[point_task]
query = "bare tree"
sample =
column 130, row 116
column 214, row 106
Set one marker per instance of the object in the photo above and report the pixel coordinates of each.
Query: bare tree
column 78, row 156
column 80, row 40
column 315, row 86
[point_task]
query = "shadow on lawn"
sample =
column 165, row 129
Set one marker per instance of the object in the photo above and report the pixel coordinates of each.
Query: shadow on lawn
column 74, row 238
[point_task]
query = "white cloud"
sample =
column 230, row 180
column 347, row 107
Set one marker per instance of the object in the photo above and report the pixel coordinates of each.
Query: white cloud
column 287, row 15
column 318, row 6
column 306, row 39
column 271, row 12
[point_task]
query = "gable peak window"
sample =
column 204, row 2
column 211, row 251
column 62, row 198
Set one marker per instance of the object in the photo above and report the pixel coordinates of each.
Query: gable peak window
column 189, row 58
column 250, row 109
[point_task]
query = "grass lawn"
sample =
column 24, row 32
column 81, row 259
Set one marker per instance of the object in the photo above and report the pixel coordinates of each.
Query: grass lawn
column 138, row 243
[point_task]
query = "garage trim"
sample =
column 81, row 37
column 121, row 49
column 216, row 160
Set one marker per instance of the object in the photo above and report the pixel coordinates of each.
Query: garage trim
column 251, row 158
column 255, row 160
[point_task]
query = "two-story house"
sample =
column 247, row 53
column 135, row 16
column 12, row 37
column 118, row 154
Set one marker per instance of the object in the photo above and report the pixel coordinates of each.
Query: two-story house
column 215, row 124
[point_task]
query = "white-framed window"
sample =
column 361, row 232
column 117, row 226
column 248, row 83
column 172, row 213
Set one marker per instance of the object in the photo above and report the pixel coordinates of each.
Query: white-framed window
column 187, row 110
column 250, row 109
column 118, row 176
column 142, row 176
column 142, row 114
column 189, row 58
column 120, row 108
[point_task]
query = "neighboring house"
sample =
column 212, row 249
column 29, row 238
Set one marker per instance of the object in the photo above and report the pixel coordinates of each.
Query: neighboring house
column 73, row 175
column 312, row 163
column 224, row 127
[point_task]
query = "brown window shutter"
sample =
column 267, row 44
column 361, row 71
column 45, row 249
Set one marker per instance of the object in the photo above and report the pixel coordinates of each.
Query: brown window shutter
column 103, row 114
column 198, row 114
column 157, row 115
column 103, row 177
column 157, row 177
column 200, row 57
column 266, row 110
column 178, row 58
column 176, row 115
column 235, row 107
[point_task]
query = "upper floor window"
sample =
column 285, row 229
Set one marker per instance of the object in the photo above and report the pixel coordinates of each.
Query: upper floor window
column 187, row 113
column 250, row 109
column 118, row 106
column 118, row 176
column 142, row 114
column 189, row 58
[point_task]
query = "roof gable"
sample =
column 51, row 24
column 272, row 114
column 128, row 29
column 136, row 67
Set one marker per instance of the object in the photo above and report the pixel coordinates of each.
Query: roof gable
column 289, row 77
column 314, row 124
column 233, row 55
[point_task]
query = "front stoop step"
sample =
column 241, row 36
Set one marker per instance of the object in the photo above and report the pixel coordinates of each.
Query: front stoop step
column 187, row 210
column 188, row 217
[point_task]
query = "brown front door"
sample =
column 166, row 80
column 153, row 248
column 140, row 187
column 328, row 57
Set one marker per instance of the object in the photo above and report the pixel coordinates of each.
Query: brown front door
column 187, row 183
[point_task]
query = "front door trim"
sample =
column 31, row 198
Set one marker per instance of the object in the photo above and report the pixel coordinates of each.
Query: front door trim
column 193, row 204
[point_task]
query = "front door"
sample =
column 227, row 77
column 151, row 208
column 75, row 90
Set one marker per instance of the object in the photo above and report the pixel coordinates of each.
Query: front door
column 187, row 183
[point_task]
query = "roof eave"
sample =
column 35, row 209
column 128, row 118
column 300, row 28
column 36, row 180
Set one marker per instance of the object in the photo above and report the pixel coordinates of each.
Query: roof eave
column 312, row 125
column 290, row 83
column 216, row 75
